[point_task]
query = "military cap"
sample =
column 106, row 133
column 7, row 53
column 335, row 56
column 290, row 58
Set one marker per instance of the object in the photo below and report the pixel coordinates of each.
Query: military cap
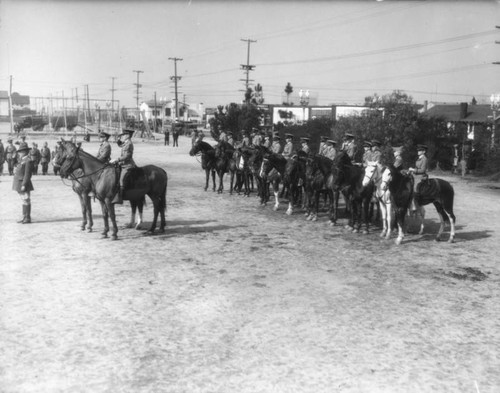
column 276, row 138
column 324, row 138
column 421, row 147
column 104, row 134
column 367, row 144
column 23, row 146
column 305, row 139
column 349, row 136
column 289, row 136
column 331, row 141
column 376, row 142
column 398, row 149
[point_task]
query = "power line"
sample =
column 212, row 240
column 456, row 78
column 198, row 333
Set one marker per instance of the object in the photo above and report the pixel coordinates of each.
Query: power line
column 247, row 67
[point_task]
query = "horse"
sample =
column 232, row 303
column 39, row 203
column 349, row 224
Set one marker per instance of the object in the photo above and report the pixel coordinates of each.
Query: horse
column 208, row 160
column 82, row 186
column 243, row 173
column 254, row 157
column 318, row 171
column 272, row 171
column 294, row 178
column 225, row 163
column 350, row 177
column 440, row 193
column 396, row 189
column 140, row 181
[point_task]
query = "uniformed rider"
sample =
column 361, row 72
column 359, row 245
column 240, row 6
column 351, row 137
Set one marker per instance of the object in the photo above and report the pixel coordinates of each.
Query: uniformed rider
column 288, row 150
column 323, row 146
column 276, row 146
column 304, row 145
column 330, row 151
column 349, row 146
column 104, row 153
column 126, row 160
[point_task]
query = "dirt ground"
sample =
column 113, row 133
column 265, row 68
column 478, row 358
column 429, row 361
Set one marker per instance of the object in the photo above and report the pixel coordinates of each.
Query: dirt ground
column 234, row 297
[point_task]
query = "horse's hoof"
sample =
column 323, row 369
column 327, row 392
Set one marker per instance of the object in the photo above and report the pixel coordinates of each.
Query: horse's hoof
column 451, row 240
column 398, row 241
column 114, row 237
column 275, row 208
column 89, row 230
column 355, row 230
column 314, row 218
column 438, row 239
column 365, row 232
column 138, row 226
column 349, row 228
column 161, row 230
column 82, row 228
column 382, row 234
column 288, row 213
column 104, row 236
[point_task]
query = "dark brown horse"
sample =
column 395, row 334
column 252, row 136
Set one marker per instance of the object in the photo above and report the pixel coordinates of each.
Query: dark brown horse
column 208, row 160
column 441, row 194
column 82, row 186
column 140, row 181
column 272, row 172
column 349, row 178
column 254, row 156
column 295, row 178
column 225, row 163
column 318, row 173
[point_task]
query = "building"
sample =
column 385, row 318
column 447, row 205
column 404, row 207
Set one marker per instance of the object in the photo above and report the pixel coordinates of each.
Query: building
column 20, row 105
column 300, row 114
column 165, row 110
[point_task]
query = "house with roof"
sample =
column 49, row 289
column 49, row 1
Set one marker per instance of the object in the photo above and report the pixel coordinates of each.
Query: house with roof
column 473, row 116
column 165, row 110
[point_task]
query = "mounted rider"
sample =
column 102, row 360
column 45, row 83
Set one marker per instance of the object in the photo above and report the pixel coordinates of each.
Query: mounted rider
column 349, row 146
column 304, row 145
column 323, row 146
column 367, row 154
column 288, row 150
column 376, row 155
column 276, row 146
column 330, row 151
column 126, row 160
column 104, row 153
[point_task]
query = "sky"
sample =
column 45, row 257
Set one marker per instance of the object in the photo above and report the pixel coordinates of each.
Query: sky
column 340, row 51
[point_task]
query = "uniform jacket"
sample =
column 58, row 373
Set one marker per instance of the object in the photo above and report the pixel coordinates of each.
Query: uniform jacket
column 421, row 165
column 350, row 149
column 222, row 137
column 10, row 152
column 376, row 154
column 276, row 147
column 322, row 149
column 367, row 156
column 245, row 141
column 35, row 156
column 266, row 143
column 2, row 151
column 288, row 150
column 22, row 175
column 45, row 153
column 256, row 140
column 330, row 152
column 127, row 153
column 104, row 153
column 398, row 163
column 306, row 149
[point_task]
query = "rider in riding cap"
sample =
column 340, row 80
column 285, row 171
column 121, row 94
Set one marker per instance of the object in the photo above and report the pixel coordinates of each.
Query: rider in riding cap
column 322, row 146
column 304, row 145
column 398, row 160
column 288, row 150
column 367, row 155
column 276, row 146
column 419, row 172
column 330, row 151
column 349, row 146
column 376, row 152
column 104, row 153
column 126, row 160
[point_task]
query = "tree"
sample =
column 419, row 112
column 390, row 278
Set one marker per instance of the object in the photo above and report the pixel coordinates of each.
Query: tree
column 259, row 94
column 288, row 91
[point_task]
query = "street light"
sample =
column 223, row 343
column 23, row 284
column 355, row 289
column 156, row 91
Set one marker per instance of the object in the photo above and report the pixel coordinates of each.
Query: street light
column 304, row 101
column 495, row 106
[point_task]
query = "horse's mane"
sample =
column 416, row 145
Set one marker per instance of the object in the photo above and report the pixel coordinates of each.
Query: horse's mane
column 342, row 158
column 84, row 153
column 206, row 145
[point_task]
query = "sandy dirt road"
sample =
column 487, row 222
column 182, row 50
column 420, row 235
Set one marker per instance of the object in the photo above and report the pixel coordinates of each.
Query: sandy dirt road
column 234, row 297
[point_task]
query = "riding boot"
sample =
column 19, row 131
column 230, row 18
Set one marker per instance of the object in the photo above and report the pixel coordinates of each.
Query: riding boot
column 27, row 219
column 118, row 197
column 24, row 215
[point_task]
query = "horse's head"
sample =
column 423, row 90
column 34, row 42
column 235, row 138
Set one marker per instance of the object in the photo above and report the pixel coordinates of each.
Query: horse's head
column 370, row 171
column 340, row 168
column 68, row 159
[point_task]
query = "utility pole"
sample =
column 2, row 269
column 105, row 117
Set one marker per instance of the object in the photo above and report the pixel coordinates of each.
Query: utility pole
column 154, row 127
column 247, row 67
column 88, row 103
column 112, row 99
column 11, row 110
column 175, row 78
column 137, row 85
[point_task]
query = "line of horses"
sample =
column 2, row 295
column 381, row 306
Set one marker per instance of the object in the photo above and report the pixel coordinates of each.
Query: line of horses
column 90, row 175
column 304, row 179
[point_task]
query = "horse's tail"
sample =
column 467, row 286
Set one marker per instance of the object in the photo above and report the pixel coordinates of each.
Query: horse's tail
column 163, row 196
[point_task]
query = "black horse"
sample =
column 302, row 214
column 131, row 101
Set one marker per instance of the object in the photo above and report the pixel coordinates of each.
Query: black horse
column 225, row 163
column 295, row 178
column 350, row 177
column 440, row 193
column 254, row 156
column 318, row 172
column 272, row 172
column 208, row 160
column 140, row 181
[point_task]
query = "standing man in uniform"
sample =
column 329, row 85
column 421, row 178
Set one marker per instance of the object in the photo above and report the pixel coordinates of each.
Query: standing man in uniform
column 126, row 160
column 349, row 146
column 288, row 150
column 45, row 158
column 276, row 146
column 10, row 156
column 104, row 153
column 22, row 181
